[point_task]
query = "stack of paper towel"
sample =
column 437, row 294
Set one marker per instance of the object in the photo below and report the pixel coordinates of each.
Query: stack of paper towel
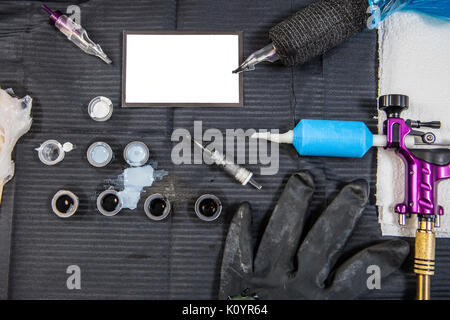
column 414, row 60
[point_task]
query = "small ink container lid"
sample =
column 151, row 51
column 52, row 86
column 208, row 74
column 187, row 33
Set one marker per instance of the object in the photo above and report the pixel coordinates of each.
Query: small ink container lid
column 136, row 154
column 100, row 108
column 51, row 152
column 99, row 154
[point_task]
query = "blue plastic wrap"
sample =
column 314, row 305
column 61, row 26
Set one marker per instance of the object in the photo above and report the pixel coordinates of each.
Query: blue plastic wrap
column 381, row 9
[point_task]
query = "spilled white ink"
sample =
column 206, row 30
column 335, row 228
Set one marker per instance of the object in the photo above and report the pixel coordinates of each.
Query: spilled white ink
column 134, row 180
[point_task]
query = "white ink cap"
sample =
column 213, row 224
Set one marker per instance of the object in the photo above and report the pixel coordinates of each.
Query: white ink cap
column 100, row 108
column 136, row 154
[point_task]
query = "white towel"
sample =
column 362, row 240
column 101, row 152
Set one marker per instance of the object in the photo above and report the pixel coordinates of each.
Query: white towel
column 414, row 60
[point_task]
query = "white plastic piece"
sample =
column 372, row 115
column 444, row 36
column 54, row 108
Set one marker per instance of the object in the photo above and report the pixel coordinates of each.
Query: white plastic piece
column 243, row 176
column 100, row 109
column 68, row 146
column 381, row 141
column 287, row 137
column 15, row 121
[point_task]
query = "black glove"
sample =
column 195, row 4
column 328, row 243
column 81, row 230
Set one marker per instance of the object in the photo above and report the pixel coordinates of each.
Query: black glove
column 283, row 268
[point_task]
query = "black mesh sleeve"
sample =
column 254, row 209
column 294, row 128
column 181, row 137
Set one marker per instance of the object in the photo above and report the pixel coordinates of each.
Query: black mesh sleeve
column 317, row 28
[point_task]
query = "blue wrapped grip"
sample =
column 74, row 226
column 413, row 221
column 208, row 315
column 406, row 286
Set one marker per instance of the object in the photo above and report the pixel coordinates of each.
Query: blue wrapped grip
column 332, row 138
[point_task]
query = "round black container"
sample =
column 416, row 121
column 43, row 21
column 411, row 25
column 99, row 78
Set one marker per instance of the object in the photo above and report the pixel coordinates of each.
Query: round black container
column 65, row 203
column 157, row 207
column 109, row 203
column 208, row 207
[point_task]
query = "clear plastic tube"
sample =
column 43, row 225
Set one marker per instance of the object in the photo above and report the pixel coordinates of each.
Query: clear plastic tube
column 78, row 35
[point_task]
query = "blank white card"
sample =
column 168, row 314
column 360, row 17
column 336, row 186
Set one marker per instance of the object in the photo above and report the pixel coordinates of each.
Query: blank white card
column 181, row 69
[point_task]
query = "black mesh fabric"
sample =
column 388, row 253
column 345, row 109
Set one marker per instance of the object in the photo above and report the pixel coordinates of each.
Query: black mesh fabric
column 129, row 256
column 317, row 28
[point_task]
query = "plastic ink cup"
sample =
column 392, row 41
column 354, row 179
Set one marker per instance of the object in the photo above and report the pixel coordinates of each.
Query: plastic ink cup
column 65, row 203
column 136, row 154
column 100, row 108
column 157, row 207
column 51, row 152
column 208, row 207
column 109, row 203
column 99, row 154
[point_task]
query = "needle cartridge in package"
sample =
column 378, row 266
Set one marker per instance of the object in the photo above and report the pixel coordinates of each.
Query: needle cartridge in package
column 76, row 33
column 241, row 174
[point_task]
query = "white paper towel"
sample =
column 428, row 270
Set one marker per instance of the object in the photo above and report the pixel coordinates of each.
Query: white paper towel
column 414, row 60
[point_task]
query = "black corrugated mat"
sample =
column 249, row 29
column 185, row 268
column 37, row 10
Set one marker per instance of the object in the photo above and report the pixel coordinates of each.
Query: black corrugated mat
column 128, row 256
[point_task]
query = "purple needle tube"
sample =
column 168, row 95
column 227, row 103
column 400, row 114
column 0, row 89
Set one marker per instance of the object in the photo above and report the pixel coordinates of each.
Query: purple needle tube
column 75, row 33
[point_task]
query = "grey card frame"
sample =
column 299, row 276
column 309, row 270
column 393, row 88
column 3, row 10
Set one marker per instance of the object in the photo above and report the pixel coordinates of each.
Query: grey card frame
column 170, row 32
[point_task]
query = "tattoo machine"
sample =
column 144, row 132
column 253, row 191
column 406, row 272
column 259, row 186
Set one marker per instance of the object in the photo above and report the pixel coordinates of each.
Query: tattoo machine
column 426, row 162
column 76, row 33
column 425, row 168
column 310, row 32
column 324, row 24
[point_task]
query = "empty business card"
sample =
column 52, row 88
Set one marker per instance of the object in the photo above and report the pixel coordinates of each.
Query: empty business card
column 178, row 68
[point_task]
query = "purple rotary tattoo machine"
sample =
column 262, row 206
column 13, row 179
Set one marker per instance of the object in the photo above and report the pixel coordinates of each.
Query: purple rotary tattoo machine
column 76, row 33
column 425, row 168
column 426, row 162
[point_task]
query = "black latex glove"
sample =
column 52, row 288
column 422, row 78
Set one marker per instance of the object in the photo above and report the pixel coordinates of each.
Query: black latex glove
column 283, row 268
